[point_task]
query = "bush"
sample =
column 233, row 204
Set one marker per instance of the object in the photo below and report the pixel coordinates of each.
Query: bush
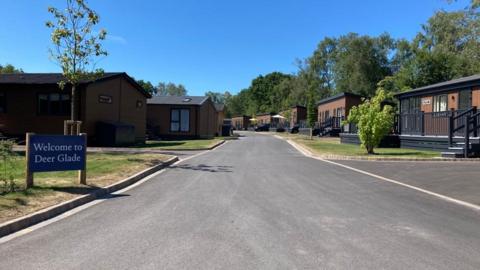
column 373, row 120
column 7, row 157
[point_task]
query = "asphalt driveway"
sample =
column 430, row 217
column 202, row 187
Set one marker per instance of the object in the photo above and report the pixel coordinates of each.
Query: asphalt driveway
column 459, row 180
column 256, row 203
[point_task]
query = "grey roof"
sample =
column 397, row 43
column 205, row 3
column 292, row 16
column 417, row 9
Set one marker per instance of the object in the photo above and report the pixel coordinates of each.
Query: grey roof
column 219, row 107
column 337, row 96
column 177, row 100
column 43, row 78
column 444, row 86
column 55, row 78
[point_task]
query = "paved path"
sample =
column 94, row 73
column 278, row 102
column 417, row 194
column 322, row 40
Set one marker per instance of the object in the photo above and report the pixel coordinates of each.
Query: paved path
column 256, row 203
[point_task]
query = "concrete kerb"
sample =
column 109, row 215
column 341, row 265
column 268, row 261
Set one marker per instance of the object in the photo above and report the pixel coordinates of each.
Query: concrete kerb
column 339, row 157
column 21, row 223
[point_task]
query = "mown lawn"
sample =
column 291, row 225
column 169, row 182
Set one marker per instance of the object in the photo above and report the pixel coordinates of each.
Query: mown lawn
column 199, row 144
column 54, row 187
column 332, row 146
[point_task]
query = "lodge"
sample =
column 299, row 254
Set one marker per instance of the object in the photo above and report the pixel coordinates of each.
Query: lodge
column 182, row 117
column 333, row 110
column 442, row 116
column 33, row 102
column 241, row 122
column 296, row 116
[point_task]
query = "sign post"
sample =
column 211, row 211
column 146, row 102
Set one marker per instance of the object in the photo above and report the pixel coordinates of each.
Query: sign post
column 48, row 153
column 82, row 174
column 28, row 173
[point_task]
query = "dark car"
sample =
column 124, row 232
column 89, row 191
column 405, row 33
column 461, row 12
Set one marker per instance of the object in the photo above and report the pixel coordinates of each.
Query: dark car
column 295, row 129
column 264, row 127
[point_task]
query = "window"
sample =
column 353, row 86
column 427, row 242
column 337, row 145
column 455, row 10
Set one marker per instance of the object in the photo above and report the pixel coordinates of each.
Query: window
column 465, row 99
column 3, row 103
column 53, row 104
column 414, row 105
column 404, row 105
column 440, row 103
column 180, row 120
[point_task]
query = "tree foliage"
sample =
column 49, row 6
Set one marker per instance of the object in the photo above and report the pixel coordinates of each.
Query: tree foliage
column 76, row 45
column 9, row 69
column 171, row 89
column 373, row 120
column 147, row 86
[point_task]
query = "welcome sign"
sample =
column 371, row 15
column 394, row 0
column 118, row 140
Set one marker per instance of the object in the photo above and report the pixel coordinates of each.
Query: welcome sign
column 48, row 153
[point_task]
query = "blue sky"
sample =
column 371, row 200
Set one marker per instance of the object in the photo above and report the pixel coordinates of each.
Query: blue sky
column 210, row 44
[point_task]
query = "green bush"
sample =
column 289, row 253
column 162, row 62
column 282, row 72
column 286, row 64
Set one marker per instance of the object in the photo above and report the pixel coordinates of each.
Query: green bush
column 7, row 156
column 373, row 120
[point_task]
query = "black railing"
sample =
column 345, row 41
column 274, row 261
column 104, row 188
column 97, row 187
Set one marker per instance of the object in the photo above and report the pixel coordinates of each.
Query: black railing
column 457, row 125
column 471, row 128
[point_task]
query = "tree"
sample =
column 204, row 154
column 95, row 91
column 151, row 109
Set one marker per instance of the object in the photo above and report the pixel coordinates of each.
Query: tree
column 262, row 90
column 76, row 45
column 9, row 69
column 147, row 86
column 217, row 97
column 171, row 89
column 361, row 62
column 373, row 120
column 311, row 111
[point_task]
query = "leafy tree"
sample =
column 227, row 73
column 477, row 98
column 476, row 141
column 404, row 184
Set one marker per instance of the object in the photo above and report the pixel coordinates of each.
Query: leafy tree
column 218, row 97
column 171, row 89
column 262, row 89
column 361, row 62
column 9, row 69
column 76, row 44
column 148, row 86
column 311, row 110
column 373, row 120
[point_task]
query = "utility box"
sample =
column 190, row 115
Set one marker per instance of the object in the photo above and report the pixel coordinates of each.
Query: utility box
column 114, row 134
column 226, row 130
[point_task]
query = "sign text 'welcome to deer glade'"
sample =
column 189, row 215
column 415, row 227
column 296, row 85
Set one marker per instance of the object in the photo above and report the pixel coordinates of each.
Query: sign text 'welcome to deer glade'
column 56, row 153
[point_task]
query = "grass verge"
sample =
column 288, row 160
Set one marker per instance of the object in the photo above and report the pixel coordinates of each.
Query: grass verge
column 199, row 144
column 55, row 187
column 332, row 146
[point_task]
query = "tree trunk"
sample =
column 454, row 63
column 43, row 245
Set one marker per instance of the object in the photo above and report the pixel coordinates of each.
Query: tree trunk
column 73, row 113
column 370, row 150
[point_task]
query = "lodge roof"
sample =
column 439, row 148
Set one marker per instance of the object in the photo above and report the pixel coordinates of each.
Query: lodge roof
column 177, row 100
column 337, row 96
column 55, row 78
column 464, row 82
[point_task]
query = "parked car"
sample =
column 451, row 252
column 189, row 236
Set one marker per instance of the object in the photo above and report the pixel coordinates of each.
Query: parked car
column 295, row 129
column 264, row 127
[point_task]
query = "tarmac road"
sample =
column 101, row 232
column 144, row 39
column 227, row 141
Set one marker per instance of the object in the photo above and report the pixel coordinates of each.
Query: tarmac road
column 257, row 203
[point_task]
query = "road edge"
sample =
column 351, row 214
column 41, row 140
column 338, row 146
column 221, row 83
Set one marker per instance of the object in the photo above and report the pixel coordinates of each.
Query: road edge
column 18, row 224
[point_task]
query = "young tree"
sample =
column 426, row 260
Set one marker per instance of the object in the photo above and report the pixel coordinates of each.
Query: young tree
column 373, row 120
column 76, row 45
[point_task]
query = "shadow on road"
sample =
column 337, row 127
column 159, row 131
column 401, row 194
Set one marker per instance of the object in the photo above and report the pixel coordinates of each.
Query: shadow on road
column 205, row 168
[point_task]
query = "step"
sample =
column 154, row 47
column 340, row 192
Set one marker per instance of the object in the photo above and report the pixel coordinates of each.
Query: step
column 452, row 155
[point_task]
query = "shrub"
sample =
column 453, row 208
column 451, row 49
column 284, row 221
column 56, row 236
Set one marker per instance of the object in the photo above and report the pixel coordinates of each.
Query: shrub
column 373, row 120
column 7, row 157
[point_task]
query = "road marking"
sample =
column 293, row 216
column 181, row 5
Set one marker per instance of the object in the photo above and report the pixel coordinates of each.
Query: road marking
column 97, row 201
column 309, row 154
